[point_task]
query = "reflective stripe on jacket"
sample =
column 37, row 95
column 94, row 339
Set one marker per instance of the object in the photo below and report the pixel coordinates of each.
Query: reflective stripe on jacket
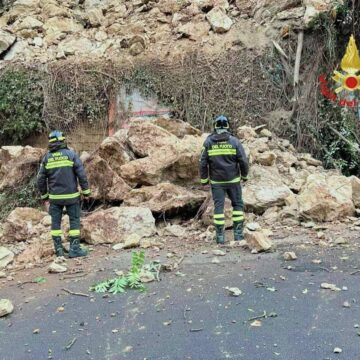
column 60, row 172
column 223, row 160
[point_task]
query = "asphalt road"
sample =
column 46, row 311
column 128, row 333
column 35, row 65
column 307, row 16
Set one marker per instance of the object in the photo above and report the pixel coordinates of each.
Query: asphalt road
column 194, row 317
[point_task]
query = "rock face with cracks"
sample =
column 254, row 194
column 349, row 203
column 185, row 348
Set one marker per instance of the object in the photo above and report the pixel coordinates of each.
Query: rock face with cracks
column 18, row 164
column 23, row 224
column 326, row 198
column 115, row 224
column 6, row 257
column 105, row 183
column 165, row 197
column 264, row 189
column 6, row 307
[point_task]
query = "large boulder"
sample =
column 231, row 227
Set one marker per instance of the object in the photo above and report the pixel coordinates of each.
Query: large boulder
column 176, row 127
column 6, row 257
column 208, row 215
column 194, row 30
column 105, row 183
column 115, row 224
column 113, row 150
column 314, row 8
column 6, row 307
column 165, row 197
column 6, row 40
column 62, row 25
column 18, row 164
column 178, row 164
column 23, row 224
column 355, row 183
column 74, row 46
column 21, row 7
column 219, row 21
column 146, row 138
column 326, row 198
column 265, row 189
column 257, row 240
column 36, row 249
column 149, row 170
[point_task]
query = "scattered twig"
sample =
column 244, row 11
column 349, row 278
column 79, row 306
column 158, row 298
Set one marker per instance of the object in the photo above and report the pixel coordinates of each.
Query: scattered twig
column 325, row 269
column 203, row 207
column 75, row 293
column 176, row 265
column 280, row 49
column 355, row 272
column 73, row 276
column 342, row 137
column 71, row 343
column 263, row 316
column 196, row 330
column 185, row 310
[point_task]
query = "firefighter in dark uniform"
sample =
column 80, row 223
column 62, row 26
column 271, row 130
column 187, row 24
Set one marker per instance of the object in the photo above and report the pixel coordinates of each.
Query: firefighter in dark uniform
column 61, row 171
column 223, row 164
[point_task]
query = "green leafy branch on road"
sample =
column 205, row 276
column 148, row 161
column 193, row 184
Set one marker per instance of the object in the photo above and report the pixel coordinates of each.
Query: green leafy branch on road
column 131, row 280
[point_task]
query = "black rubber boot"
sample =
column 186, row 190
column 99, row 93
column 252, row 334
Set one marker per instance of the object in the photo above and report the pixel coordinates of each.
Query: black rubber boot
column 238, row 231
column 75, row 249
column 220, row 234
column 59, row 250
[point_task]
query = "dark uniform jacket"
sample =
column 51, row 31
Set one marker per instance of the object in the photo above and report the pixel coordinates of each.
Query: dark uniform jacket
column 223, row 160
column 61, row 170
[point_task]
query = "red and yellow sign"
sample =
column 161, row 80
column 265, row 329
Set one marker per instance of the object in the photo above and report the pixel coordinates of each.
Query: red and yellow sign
column 350, row 64
column 348, row 79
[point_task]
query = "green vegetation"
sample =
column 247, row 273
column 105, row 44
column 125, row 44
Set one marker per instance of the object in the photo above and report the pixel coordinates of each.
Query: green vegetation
column 24, row 196
column 131, row 280
column 21, row 105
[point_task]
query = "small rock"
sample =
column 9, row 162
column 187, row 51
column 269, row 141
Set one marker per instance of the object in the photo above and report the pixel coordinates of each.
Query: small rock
column 6, row 257
column 36, row 331
column 119, row 246
column 257, row 241
column 337, row 350
column 132, row 241
column 6, row 307
column 331, row 287
column 56, row 268
column 218, row 20
column 265, row 133
column 341, row 241
column 234, row 291
column 346, row 304
column 218, row 252
column 256, row 323
column 316, row 261
column 174, row 230
column 2, row 274
column 136, row 49
column 308, row 225
column 289, row 255
column 242, row 243
column 253, row 226
column 215, row 261
column 146, row 277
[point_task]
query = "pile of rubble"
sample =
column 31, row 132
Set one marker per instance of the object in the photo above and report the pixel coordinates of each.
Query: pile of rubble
column 46, row 30
column 151, row 169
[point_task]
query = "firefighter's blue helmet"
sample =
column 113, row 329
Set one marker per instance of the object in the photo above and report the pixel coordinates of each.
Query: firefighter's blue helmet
column 221, row 122
column 56, row 136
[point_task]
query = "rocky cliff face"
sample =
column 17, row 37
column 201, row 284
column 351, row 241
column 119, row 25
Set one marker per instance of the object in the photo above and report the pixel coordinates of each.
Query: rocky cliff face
column 46, row 30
